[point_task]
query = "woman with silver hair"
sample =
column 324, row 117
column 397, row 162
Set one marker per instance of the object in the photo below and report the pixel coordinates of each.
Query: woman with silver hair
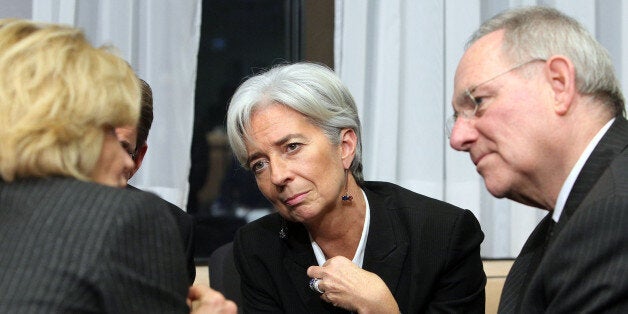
column 336, row 241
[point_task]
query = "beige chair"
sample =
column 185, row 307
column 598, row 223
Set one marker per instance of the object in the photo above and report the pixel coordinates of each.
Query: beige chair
column 496, row 271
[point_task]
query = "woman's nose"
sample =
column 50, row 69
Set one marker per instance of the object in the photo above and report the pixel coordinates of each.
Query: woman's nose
column 279, row 172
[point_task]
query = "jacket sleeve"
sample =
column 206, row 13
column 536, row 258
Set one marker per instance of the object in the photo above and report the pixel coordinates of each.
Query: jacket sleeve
column 141, row 267
column 460, row 288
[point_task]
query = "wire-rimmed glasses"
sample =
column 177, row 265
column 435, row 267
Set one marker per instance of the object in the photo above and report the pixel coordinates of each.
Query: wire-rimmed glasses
column 470, row 107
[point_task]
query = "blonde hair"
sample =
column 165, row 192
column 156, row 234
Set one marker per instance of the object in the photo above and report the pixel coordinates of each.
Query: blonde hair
column 58, row 93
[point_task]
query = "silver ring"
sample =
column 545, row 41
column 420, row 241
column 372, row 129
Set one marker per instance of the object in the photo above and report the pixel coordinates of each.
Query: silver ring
column 314, row 285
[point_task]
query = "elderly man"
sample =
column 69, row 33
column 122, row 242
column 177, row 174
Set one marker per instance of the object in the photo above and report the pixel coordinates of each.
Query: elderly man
column 539, row 110
column 133, row 140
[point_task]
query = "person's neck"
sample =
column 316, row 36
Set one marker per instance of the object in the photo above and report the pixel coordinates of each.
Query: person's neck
column 573, row 132
column 340, row 230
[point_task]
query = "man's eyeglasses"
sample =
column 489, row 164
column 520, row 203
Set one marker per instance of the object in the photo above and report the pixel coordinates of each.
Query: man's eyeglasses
column 470, row 107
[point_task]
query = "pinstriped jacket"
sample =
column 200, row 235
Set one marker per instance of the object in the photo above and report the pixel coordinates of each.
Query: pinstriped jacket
column 73, row 246
column 585, row 266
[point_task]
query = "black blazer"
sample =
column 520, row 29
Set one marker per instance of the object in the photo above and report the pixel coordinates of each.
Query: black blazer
column 585, row 266
column 186, row 229
column 223, row 274
column 72, row 246
column 426, row 251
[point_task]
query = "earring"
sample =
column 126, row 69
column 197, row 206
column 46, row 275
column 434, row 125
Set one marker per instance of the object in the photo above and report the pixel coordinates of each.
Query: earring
column 347, row 197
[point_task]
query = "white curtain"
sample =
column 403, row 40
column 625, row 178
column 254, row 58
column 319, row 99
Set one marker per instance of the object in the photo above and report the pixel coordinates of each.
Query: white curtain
column 398, row 58
column 160, row 39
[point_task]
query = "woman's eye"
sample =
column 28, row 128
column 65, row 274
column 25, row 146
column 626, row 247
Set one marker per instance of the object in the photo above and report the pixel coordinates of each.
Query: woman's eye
column 258, row 166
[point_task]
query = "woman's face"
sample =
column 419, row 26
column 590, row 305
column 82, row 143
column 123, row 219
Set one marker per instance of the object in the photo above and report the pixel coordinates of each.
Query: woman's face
column 114, row 163
column 296, row 167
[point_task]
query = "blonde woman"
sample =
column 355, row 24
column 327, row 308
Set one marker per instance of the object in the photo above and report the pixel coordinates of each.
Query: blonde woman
column 70, row 240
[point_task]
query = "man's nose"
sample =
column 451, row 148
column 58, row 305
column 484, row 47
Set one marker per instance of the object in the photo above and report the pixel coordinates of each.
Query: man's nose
column 463, row 134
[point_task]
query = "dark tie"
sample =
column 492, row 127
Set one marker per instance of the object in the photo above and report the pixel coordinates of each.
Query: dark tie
column 525, row 266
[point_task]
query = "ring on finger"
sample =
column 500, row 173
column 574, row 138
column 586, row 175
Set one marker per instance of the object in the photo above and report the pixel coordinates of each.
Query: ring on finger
column 314, row 285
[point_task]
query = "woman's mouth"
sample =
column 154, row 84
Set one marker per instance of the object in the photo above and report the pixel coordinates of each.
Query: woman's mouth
column 295, row 199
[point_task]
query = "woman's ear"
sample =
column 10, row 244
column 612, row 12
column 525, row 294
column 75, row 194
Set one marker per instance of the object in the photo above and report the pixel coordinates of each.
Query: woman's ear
column 348, row 144
column 562, row 78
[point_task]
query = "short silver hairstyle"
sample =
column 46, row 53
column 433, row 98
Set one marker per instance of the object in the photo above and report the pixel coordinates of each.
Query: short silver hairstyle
column 539, row 32
column 311, row 89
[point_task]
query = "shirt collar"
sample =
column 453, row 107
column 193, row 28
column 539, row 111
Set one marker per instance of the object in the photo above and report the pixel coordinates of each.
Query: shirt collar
column 358, row 257
column 575, row 171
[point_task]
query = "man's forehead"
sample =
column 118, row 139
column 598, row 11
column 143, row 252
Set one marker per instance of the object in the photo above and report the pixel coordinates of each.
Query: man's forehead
column 481, row 59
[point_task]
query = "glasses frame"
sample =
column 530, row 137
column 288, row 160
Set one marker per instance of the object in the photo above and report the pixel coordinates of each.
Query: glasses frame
column 471, row 113
column 133, row 154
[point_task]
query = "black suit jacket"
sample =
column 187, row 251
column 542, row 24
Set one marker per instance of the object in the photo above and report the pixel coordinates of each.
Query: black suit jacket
column 72, row 246
column 584, row 268
column 426, row 251
column 186, row 229
column 223, row 274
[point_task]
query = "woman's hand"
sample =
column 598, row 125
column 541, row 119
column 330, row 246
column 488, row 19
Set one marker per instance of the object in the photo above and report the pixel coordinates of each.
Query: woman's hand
column 202, row 299
column 347, row 286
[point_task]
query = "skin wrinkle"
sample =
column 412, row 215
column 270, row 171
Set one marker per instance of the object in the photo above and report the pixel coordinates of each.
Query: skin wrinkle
column 503, row 140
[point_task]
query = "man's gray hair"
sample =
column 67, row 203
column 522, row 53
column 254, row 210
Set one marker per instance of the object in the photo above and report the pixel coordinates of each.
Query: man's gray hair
column 540, row 32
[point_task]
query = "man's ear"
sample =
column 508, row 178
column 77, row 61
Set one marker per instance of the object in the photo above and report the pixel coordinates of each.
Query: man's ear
column 562, row 77
column 141, row 152
column 348, row 144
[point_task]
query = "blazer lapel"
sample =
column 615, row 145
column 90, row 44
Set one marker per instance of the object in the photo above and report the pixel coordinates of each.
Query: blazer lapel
column 524, row 266
column 299, row 256
column 612, row 143
column 386, row 250
column 386, row 246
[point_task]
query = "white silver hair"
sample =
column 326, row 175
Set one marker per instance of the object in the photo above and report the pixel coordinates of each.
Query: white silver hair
column 311, row 89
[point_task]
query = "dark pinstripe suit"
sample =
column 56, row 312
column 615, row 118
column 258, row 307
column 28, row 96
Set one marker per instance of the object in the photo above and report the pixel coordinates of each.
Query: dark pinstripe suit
column 185, row 222
column 72, row 246
column 426, row 251
column 585, row 267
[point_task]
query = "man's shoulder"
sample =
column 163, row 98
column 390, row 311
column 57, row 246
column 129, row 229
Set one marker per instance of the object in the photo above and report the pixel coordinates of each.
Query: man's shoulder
column 181, row 216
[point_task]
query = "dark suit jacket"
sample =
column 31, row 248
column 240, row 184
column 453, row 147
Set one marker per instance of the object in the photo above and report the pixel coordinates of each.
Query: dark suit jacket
column 585, row 266
column 223, row 274
column 426, row 251
column 186, row 229
column 73, row 246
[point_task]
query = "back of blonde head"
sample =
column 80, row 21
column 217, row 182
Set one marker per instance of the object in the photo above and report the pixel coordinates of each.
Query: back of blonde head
column 57, row 95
